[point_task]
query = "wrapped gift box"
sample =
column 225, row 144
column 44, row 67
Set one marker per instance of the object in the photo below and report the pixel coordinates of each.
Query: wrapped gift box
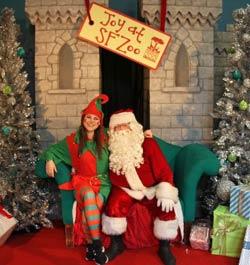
column 7, row 225
column 200, row 235
column 245, row 253
column 228, row 232
column 240, row 200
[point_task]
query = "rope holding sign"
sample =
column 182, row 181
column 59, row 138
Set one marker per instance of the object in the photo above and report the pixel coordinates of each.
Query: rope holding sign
column 91, row 22
column 163, row 14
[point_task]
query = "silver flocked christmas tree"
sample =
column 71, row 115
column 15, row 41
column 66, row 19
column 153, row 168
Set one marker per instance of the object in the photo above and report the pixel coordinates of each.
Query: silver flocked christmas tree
column 232, row 137
column 232, row 111
column 21, row 192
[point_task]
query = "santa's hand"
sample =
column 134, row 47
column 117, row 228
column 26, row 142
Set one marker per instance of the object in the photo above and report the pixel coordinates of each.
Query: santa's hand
column 166, row 204
column 148, row 134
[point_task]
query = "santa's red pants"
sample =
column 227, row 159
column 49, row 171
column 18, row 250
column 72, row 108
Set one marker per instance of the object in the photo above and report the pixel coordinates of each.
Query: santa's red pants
column 119, row 204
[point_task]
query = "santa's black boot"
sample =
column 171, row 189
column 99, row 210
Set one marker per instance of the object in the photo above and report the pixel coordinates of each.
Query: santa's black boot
column 100, row 256
column 165, row 253
column 116, row 247
column 89, row 252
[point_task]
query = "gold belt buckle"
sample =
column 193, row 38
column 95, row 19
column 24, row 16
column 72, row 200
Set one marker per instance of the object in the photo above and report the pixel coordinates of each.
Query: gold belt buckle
column 93, row 180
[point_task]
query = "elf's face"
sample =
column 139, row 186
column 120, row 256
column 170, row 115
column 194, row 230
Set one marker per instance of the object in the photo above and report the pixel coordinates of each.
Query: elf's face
column 91, row 122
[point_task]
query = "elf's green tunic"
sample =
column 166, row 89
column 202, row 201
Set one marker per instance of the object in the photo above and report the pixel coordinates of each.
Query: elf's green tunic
column 61, row 155
column 59, row 152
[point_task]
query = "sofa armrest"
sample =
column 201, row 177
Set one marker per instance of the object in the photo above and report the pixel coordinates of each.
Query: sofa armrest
column 193, row 161
column 62, row 175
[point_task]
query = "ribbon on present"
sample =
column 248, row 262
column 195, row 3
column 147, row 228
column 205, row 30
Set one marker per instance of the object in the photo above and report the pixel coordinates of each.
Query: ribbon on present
column 240, row 200
column 4, row 212
column 224, row 227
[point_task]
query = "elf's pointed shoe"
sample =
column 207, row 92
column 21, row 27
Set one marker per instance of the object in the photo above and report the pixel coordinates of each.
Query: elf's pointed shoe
column 89, row 252
column 100, row 256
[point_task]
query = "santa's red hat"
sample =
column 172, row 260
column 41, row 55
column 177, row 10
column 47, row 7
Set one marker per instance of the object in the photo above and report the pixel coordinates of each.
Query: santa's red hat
column 121, row 117
column 95, row 106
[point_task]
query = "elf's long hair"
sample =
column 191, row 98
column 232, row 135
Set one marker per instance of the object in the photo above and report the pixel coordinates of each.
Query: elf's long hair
column 99, row 138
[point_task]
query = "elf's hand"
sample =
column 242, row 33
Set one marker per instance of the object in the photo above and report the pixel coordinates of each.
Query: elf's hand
column 148, row 134
column 50, row 168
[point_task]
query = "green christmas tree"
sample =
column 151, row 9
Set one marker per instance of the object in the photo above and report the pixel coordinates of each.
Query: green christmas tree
column 21, row 192
column 232, row 137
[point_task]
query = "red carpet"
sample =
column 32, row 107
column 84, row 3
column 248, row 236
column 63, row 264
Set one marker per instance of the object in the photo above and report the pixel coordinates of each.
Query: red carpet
column 46, row 247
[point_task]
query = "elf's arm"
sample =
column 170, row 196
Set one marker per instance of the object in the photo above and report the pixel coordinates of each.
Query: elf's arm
column 55, row 154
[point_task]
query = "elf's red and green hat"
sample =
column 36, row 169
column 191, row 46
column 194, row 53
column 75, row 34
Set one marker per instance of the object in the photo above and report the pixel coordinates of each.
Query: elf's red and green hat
column 95, row 106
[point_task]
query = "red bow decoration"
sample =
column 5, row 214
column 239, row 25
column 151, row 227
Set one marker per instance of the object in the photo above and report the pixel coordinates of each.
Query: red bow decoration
column 4, row 213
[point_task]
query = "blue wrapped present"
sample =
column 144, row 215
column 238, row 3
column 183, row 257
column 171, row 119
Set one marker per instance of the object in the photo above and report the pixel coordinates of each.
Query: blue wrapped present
column 245, row 253
column 240, row 200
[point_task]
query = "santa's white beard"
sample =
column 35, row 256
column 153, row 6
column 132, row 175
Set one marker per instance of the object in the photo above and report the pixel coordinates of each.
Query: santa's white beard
column 126, row 151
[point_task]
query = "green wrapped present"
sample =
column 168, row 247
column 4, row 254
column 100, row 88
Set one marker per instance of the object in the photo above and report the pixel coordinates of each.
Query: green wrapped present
column 228, row 232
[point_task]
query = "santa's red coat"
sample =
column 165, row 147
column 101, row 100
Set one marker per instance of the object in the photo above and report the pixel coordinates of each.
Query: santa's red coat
column 154, row 170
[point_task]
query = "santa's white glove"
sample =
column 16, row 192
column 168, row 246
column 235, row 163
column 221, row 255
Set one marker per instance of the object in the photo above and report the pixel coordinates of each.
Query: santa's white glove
column 166, row 204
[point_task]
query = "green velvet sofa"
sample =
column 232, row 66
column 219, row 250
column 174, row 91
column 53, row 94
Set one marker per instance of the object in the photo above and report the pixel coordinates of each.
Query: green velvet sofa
column 188, row 163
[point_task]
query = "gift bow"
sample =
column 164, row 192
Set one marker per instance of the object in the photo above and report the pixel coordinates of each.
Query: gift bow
column 4, row 212
column 221, row 231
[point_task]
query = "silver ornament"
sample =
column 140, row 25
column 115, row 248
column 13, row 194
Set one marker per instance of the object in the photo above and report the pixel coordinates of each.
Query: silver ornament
column 246, row 82
column 246, row 37
column 237, row 55
column 11, row 101
column 223, row 189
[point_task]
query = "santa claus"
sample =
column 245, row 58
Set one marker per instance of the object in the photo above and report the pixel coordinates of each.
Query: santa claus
column 140, row 173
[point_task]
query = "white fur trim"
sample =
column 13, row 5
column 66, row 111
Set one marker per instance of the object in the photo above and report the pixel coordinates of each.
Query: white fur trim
column 179, row 217
column 74, row 212
column 139, row 195
column 149, row 192
column 113, row 225
column 165, row 229
column 122, row 117
column 136, row 194
column 133, row 179
column 166, row 190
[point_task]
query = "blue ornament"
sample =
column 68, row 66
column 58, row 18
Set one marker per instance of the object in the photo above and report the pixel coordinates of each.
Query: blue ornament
column 6, row 130
column 20, row 52
column 236, row 75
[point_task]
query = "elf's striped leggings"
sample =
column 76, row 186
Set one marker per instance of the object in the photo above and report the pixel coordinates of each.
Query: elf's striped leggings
column 91, row 204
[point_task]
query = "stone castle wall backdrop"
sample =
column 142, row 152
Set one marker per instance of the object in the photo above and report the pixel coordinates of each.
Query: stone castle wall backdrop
column 182, row 90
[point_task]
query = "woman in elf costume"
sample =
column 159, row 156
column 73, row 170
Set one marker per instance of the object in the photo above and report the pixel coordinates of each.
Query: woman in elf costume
column 86, row 151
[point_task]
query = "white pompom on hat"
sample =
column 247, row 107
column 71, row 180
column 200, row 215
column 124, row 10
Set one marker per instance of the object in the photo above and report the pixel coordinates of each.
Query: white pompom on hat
column 121, row 117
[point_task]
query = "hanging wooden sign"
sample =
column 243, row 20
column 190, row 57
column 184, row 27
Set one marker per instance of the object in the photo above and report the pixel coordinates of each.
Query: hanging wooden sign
column 125, row 36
